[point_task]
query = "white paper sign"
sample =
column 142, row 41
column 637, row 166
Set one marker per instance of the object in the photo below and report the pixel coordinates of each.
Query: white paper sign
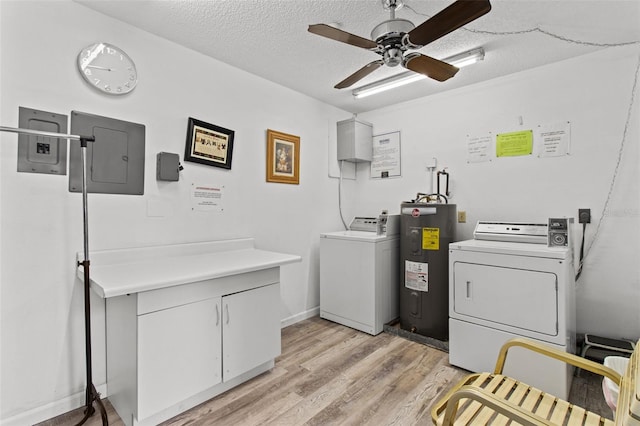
column 553, row 139
column 386, row 155
column 206, row 197
column 479, row 148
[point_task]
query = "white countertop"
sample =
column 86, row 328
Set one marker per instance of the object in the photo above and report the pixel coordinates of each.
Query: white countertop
column 119, row 272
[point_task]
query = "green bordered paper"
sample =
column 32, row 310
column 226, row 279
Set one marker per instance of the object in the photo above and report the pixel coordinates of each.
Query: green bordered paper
column 514, row 144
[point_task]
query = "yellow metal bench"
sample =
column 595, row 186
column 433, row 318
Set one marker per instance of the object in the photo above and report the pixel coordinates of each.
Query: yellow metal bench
column 496, row 399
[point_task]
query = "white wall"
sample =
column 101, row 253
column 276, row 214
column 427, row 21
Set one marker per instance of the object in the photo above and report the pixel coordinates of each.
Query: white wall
column 594, row 93
column 42, row 335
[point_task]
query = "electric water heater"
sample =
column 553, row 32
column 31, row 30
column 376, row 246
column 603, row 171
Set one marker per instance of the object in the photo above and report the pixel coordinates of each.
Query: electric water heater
column 426, row 229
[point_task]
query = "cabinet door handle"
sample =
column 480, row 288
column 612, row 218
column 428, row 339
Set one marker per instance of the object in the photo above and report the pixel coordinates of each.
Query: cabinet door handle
column 217, row 315
column 226, row 307
column 468, row 289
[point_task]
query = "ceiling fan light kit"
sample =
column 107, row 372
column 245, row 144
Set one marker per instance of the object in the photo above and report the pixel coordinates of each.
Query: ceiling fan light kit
column 392, row 38
column 460, row 60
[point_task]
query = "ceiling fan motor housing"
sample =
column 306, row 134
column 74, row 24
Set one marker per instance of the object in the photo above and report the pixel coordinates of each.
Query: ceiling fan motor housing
column 389, row 36
column 393, row 28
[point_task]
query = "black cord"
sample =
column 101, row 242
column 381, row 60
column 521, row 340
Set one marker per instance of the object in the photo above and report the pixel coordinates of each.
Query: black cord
column 584, row 231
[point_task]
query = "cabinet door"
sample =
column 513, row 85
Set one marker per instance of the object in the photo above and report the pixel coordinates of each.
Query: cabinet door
column 179, row 354
column 251, row 327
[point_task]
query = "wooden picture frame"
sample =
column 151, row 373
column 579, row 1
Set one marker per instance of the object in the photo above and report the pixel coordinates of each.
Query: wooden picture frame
column 283, row 157
column 208, row 144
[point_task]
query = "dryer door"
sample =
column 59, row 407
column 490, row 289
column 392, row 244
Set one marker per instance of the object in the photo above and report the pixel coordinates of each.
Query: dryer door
column 500, row 296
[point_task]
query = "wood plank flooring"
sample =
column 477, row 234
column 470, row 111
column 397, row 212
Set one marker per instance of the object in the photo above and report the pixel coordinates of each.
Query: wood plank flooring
column 329, row 374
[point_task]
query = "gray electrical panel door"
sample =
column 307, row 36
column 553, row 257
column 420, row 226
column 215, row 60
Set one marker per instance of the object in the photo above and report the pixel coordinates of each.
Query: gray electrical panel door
column 115, row 160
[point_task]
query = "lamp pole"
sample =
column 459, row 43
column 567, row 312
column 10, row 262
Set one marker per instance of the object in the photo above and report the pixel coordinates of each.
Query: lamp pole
column 91, row 394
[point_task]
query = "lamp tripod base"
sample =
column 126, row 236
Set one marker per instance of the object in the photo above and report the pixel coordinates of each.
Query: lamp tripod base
column 93, row 396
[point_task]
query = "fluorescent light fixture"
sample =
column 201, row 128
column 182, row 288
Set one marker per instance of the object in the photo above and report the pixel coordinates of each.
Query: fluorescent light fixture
column 460, row 60
column 464, row 59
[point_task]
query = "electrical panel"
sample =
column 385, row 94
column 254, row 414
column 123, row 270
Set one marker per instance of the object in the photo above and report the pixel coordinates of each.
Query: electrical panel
column 355, row 140
column 168, row 166
column 115, row 160
column 42, row 154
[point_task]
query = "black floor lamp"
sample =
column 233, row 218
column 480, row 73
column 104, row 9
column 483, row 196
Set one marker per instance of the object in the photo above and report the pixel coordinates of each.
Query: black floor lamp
column 91, row 393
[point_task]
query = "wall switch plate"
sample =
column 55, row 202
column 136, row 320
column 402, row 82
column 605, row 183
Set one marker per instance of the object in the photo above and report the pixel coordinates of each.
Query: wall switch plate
column 42, row 154
column 462, row 216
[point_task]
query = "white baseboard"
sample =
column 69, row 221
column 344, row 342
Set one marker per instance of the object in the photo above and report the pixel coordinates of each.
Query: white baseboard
column 53, row 409
column 300, row 317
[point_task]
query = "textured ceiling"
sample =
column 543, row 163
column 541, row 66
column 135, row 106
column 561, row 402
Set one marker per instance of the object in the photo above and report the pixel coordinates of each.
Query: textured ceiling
column 269, row 38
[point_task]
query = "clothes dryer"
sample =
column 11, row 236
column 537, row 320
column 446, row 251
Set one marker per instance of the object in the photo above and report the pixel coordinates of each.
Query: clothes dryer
column 504, row 289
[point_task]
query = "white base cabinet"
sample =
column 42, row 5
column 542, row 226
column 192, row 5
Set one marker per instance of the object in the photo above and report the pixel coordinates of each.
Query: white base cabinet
column 251, row 330
column 179, row 354
column 173, row 348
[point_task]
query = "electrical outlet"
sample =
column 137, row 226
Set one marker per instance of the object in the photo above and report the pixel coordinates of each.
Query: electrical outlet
column 462, row 216
column 584, row 215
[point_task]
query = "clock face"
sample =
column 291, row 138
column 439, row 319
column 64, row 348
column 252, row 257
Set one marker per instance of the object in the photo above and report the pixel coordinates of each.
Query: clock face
column 107, row 68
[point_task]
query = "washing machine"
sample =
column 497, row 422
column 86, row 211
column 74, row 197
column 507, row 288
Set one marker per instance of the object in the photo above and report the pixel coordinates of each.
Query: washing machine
column 359, row 273
column 507, row 282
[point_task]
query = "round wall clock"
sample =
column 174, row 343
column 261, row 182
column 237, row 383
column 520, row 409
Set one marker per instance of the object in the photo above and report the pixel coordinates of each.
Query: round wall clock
column 107, row 68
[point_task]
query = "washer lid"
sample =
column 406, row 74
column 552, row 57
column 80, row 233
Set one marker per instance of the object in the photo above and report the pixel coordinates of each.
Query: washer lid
column 356, row 236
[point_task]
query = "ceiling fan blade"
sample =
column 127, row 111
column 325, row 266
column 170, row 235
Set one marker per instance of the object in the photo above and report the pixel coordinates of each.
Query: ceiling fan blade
column 343, row 36
column 360, row 74
column 449, row 19
column 429, row 66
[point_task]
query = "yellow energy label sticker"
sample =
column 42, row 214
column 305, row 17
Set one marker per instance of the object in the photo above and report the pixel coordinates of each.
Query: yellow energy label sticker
column 430, row 238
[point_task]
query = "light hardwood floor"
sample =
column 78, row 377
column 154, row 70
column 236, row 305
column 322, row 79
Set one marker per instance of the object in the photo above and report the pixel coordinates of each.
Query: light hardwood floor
column 333, row 375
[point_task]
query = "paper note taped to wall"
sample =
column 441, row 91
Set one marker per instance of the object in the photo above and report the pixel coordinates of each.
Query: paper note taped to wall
column 206, row 197
column 479, row 148
column 553, row 139
column 385, row 160
column 514, row 144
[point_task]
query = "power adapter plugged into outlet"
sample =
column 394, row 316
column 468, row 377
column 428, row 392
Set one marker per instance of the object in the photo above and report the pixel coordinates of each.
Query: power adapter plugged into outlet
column 584, row 215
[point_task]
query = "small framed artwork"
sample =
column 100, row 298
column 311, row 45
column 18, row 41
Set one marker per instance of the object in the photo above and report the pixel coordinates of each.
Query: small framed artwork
column 283, row 157
column 208, row 144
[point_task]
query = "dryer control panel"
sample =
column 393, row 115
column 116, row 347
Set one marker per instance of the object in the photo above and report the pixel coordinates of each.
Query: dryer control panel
column 511, row 231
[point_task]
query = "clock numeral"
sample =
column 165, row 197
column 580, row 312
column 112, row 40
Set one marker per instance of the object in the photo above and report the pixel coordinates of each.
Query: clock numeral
column 119, row 89
column 87, row 71
column 132, row 77
column 111, row 51
column 107, row 87
column 127, row 85
column 96, row 81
